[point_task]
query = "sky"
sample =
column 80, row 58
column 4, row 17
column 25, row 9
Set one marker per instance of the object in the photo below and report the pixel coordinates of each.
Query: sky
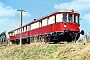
column 10, row 17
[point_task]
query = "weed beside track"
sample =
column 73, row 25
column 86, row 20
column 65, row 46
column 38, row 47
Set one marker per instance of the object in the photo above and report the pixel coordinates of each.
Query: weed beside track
column 43, row 51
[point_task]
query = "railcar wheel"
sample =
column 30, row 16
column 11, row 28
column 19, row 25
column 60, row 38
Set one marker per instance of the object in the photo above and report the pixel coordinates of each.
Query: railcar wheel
column 28, row 40
column 47, row 40
column 69, row 39
column 32, row 39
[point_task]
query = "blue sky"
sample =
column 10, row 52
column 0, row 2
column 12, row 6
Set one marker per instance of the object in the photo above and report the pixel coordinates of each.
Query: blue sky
column 10, row 17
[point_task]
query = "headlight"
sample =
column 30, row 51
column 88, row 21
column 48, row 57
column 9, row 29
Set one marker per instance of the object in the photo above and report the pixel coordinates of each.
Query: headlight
column 65, row 26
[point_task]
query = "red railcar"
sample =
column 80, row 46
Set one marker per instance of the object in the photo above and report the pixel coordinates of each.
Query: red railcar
column 62, row 25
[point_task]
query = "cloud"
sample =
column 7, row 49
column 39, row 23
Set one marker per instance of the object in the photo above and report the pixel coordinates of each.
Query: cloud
column 10, row 18
column 79, row 5
column 7, row 24
column 87, row 17
column 26, row 14
column 6, row 11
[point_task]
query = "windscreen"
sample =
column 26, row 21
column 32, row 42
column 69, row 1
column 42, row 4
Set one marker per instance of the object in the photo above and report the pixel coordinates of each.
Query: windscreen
column 64, row 17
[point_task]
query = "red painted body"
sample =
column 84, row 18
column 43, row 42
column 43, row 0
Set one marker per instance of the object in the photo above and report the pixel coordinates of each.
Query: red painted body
column 24, row 35
column 12, row 38
column 56, row 27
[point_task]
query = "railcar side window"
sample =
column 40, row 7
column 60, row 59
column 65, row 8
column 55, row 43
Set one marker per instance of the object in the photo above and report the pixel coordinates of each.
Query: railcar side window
column 77, row 19
column 28, row 28
column 12, row 34
column 59, row 17
column 74, row 18
column 70, row 17
column 35, row 25
column 15, row 31
column 24, row 29
column 18, row 31
column 44, row 22
column 51, row 20
column 64, row 17
column 47, row 21
column 40, row 23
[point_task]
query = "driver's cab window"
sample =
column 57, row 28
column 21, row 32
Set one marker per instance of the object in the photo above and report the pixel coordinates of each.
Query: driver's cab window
column 70, row 17
column 64, row 17
column 76, row 19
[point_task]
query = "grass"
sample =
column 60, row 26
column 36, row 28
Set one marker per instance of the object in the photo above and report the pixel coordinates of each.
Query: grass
column 70, row 51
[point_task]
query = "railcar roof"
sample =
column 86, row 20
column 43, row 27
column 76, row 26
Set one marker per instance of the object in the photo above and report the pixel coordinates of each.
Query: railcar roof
column 67, row 10
column 11, row 31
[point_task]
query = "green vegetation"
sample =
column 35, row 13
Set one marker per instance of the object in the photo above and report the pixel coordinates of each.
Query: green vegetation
column 68, row 51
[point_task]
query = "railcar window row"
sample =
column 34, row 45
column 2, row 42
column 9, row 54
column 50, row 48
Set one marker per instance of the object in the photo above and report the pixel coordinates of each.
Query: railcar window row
column 70, row 18
column 45, row 22
column 24, row 29
column 51, row 20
